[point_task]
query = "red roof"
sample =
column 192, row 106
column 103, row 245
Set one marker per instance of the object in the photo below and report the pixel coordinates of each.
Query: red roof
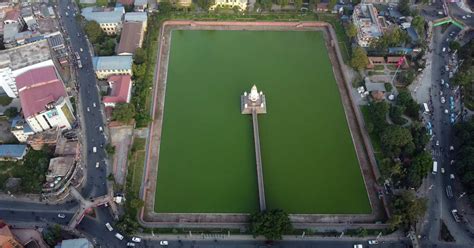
column 126, row 2
column 13, row 14
column 37, row 88
column 120, row 85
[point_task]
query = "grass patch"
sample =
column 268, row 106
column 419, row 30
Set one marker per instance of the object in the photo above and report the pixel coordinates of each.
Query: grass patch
column 136, row 166
column 211, row 162
column 5, row 100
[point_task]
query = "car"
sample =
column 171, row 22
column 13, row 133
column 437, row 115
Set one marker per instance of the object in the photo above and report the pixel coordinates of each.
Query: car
column 443, row 100
column 101, row 129
column 136, row 239
column 452, row 162
column 97, row 165
column 468, row 16
column 442, row 81
column 451, row 148
column 358, row 246
column 130, row 244
column 119, row 236
column 373, row 242
column 88, row 109
column 67, row 14
column 62, row 216
column 437, row 142
column 464, row 17
column 449, row 191
column 451, row 176
column 80, row 49
column 446, row 111
column 94, row 105
column 94, row 149
column 442, row 170
column 455, row 215
column 109, row 227
column 163, row 242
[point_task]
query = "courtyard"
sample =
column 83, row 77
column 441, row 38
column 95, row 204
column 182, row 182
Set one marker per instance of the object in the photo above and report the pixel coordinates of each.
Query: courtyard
column 206, row 157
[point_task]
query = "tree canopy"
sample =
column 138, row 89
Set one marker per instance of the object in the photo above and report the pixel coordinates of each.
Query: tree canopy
column 404, row 7
column 94, row 32
column 396, row 136
column 359, row 58
column 407, row 209
column 11, row 112
column 351, row 30
column 123, row 112
column 270, row 224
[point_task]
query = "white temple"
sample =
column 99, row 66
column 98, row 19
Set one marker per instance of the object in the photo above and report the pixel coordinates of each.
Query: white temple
column 254, row 100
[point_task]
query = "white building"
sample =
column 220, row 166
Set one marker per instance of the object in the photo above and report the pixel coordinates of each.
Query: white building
column 241, row 4
column 365, row 18
column 21, row 130
column 44, row 101
column 18, row 60
column 106, row 66
column 109, row 19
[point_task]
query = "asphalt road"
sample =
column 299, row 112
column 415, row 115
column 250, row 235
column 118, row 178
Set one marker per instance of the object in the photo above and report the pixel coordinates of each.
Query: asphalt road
column 440, row 205
column 89, row 97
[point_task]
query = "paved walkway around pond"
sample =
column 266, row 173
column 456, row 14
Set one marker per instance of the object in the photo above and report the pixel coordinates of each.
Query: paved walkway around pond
column 258, row 158
column 359, row 135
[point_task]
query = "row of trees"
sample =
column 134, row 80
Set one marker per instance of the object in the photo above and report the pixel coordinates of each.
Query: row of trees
column 103, row 45
column 465, row 75
column 464, row 133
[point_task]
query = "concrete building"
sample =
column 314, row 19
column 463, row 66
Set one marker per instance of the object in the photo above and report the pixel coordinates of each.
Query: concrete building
column 140, row 5
column 10, row 30
column 47, row 138
column 75, row 243
column 109, row 19
column 59, row 167
column 7, row 239
column 137, row 17
column 18, row 60
column 365, row 18
column 12, row 152
column 131, row 38
column 67, row 147
column 106, row 66
column 120, row 90
column 21, row 130
column 240, row 4
column 44, row 101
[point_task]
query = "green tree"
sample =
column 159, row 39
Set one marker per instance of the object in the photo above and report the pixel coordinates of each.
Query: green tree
column 11, row 112
column 409, row 208
column 140, row 56
column 419, row 168
column 351, row 30
column 298, row 4
column 404, row 7
column 165, row 7
column 331, row 4
column 282, row 3
column 271, row 224
column 359, row 58
column 266, row 4
column 94, row 32
column 123, row 112
column 139, row 71
column 396, row 136
column 389, row 168
column 137, row 203
column 418, row 23
column 454, row 45
column 110, row 149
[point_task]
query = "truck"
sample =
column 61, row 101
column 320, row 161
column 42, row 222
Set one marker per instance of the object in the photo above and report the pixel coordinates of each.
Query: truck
column 435, row 167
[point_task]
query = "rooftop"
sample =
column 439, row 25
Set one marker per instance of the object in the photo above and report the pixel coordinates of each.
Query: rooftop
column 103, row 15
column 12, row 151
column 26, row 55
column 140, row 2
column 136, row 17
column 66, row 147
column 120, row 85
column 112, row 62
column 59, row 166
column 75, row 243
column 130, row 38
column 12, row 15
column 46, row 137
column 37, row 88
column 56, row 41
column 20, row 124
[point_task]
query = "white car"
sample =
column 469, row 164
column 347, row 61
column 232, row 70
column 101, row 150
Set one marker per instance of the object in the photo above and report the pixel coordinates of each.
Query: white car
column 443, row 100
column 62, row 216
column 164, row 243
column 88, row 109
column 358, row 246
column 451, row 148
column 451, row 176
column 94, row 149
column 446, row 111
column 80, row 49
column 136, row 239
column 119, row 236
column 109, row 227
column 464, row 17
column 94, row 105
column 130, row 244
column 97, row 165
column 373, row 242
column 437, row 143
column 442, row 170
column 101, row 129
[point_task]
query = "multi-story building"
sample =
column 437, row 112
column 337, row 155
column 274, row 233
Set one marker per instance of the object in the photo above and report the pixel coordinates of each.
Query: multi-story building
column 106, row 66
column 18, row 60
column 131, row 38
column 109, row 19
column 365, row 18
column 120, row 90
column 44, row 101
column 241, row 4
column 6, row 237
column 20, row 129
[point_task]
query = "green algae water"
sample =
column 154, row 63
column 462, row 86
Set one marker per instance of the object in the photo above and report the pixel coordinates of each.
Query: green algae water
column 207, row 160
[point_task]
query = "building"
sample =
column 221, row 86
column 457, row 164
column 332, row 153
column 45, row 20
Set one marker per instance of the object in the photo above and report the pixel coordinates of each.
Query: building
column 105, row 66
column 59, row 167
column 44, row 101
column 140, row 5
column 12, row 152
column 120, row 90
column 18, row 60
column 125, row 2
column 20, row 129
column 109, row 19
column 10, row 30
column 7, row 240
column 365, row 18
column 47, row 138
column 322, row 7
column 56, row 42
column 240, row 4
column 67, row 147
column 75, row 243
column 131, row 38
column 137, row 17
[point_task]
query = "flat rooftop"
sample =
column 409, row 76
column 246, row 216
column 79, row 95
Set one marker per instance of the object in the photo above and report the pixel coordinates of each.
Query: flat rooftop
column 26, row 55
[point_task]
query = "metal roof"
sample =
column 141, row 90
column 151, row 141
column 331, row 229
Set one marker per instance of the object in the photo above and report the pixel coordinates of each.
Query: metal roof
column 102, row 15
column 136, row 17
column 12, row 151
column 112, row 62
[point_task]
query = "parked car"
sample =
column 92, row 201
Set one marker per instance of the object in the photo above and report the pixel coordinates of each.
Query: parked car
column 451, row 176
column 449, row 191
column 373, row 242
column 62, row 216
column 443, row 100
column 164, row 243
column 136, row 239
column 109, row 227
column 119, row 236
column 130, row 244
column 455, row 215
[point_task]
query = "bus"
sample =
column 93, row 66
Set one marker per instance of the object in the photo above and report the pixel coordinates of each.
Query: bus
column 427, row 110
column 435, row 167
